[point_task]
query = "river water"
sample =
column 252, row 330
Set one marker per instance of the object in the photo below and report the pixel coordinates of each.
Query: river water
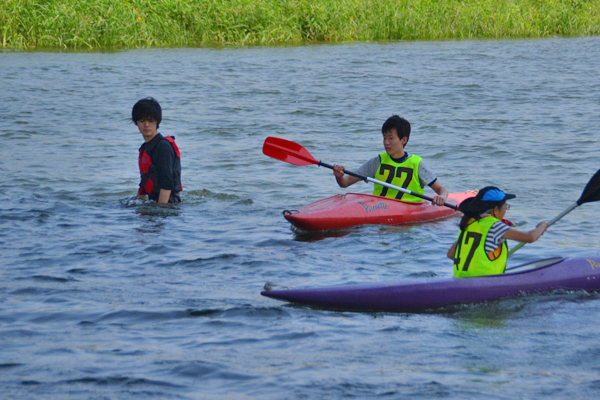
column 105, row 297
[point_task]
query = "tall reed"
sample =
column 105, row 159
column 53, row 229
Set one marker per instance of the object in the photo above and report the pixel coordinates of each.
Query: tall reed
column 156, row 23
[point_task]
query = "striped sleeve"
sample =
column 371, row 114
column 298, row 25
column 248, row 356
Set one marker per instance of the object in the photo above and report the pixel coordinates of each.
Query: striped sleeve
column 494, row 237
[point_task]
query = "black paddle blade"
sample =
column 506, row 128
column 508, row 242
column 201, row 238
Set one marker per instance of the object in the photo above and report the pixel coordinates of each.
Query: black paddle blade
column 591, row 191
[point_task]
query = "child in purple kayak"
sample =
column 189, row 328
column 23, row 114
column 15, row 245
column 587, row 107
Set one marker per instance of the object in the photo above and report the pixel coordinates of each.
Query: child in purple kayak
column 481, row 247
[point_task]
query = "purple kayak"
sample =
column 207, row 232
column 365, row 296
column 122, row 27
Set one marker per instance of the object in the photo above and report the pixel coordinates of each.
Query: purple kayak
column 415, row 295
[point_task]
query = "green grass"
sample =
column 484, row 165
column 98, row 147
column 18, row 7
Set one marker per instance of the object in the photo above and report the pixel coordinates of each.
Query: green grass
column 104, row 24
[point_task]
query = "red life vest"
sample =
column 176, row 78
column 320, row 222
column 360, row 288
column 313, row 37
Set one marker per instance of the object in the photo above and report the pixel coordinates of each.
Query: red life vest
column 148, row 184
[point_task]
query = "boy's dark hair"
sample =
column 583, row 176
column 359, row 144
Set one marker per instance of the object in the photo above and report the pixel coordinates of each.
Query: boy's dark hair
column 401, row 125
column 147, row 108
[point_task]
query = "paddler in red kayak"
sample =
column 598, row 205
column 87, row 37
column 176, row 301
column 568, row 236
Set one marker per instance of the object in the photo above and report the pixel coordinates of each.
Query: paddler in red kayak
column 481, row 247
column 396, row 167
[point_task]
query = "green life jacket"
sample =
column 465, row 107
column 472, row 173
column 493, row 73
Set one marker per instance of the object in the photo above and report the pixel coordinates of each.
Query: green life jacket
column 405, row 174
column 470, row 258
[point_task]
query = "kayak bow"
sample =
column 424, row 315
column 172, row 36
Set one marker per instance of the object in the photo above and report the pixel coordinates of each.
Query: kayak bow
column 354, row 209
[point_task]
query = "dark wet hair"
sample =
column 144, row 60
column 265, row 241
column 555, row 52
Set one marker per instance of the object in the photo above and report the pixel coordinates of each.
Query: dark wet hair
column 464, row 221
column 401, row 126
column 147, row 108
column 473, row 207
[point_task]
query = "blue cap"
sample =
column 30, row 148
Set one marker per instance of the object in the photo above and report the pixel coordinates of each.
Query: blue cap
column 493, row 194
column 486, row 198
column 496, row 195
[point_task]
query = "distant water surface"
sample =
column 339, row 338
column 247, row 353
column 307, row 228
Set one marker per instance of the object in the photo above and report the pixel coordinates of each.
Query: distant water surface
column 102, row 296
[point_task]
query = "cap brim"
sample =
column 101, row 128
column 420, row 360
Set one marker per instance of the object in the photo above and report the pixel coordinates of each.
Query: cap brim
column 509, row 196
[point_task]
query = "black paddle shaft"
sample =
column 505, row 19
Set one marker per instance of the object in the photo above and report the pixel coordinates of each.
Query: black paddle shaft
column 354, row 174
column 368, row 179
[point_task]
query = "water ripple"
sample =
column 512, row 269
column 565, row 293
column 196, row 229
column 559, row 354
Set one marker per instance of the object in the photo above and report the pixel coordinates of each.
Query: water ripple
column 106, row 296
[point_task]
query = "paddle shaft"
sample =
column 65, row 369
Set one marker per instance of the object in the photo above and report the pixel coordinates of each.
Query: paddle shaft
column 559, row 216
column 388, row 185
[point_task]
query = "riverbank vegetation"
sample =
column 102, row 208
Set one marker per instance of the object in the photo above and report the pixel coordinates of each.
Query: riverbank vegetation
column 99, row 24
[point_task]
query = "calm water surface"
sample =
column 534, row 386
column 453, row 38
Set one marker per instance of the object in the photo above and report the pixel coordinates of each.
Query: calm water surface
column 105, row 297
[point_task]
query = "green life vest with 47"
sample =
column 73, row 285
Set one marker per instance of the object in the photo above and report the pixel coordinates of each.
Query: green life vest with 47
column 470, row 257
column 405, row 175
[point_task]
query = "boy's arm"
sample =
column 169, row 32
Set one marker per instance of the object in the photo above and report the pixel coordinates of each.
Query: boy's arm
column 442, row 193
column 342, row 179
column 367, row 169
column 428, row 177
column 164, row 170
column 163, row 196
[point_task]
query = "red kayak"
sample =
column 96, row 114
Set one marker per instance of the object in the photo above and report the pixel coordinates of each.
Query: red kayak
column 354, row 209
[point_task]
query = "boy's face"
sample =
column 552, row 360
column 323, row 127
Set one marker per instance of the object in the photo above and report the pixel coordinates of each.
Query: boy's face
column 394, row 146
column 147, row 127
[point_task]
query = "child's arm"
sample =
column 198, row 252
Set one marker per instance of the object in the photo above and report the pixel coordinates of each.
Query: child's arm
column 451, row 251
column 163, row 196
column 442, row 192
column 342, row 179
column 527, row 237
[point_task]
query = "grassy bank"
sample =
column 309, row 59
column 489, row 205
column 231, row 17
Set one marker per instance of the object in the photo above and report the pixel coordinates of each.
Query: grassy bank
column 156, row 23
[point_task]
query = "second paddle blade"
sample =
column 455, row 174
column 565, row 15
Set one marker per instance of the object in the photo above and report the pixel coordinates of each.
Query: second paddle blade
column 287, row 151
column 591, row 191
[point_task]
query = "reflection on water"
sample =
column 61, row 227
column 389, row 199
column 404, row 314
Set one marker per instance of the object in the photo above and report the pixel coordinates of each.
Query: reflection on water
column 307, row 236
column 495, row 314
column 492, row 314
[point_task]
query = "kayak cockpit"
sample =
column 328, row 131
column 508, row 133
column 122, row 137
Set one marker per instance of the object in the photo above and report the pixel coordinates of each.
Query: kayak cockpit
column 539, row 264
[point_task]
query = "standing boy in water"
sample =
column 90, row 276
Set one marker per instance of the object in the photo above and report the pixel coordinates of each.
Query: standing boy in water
column 159, row 157
column 396, row 167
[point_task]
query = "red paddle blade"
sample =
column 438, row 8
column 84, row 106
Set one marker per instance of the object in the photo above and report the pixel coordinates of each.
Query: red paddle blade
column 507, row 222
column 591, row 191
column 287, row 151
